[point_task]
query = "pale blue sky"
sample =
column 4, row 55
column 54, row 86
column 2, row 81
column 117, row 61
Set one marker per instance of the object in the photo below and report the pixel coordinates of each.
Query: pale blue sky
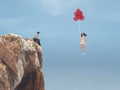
column 63, row 66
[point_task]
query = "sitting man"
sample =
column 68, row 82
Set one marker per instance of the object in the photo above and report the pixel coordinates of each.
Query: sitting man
column 36, row 38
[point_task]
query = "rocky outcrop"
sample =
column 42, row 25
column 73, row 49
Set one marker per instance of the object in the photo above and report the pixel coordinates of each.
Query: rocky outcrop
column 20, row 64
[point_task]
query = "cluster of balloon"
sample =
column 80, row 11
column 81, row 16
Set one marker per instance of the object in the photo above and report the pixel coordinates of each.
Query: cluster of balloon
column 78, row 15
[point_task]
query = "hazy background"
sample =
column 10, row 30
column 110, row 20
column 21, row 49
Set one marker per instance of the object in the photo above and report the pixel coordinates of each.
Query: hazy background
column 63, row 66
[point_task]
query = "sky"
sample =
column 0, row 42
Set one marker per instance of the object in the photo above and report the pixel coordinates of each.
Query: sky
column 64, row 67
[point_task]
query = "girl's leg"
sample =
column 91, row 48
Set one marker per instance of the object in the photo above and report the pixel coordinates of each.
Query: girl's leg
column 82, row 48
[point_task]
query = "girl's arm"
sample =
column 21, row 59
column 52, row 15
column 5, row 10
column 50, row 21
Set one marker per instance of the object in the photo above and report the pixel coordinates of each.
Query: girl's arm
column 85, row 39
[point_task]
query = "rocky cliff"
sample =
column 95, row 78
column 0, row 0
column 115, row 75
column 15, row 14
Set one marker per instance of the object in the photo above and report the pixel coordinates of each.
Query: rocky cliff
column 20, row 64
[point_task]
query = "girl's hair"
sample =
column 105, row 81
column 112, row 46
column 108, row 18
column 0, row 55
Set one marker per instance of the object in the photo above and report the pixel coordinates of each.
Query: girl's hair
column 83, row 34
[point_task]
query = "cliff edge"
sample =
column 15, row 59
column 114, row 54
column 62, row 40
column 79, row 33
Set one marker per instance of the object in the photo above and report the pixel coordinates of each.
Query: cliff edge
column 20, row 64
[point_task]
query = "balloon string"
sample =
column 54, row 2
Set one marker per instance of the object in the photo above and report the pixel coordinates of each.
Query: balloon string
column 79, row 27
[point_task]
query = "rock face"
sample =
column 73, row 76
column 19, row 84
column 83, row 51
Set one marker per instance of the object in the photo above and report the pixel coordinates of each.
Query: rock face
column 20, row 64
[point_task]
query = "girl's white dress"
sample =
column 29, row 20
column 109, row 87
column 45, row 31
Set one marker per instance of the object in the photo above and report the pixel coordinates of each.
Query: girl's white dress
column 82, row 40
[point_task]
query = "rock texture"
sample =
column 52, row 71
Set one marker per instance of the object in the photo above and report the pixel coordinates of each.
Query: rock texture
column 20, row 64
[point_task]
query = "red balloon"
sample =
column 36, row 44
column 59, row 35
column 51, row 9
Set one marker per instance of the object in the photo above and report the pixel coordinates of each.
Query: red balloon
column 75, row 18
column 78, row 15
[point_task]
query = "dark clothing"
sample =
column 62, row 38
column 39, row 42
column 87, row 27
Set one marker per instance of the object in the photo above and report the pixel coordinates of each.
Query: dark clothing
column 37, row 41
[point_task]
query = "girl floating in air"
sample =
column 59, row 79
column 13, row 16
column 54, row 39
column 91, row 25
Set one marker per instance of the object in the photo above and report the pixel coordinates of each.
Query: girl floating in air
column 83, row 43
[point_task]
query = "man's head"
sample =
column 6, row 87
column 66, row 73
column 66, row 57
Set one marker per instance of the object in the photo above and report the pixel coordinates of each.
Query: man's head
column 38, row 32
